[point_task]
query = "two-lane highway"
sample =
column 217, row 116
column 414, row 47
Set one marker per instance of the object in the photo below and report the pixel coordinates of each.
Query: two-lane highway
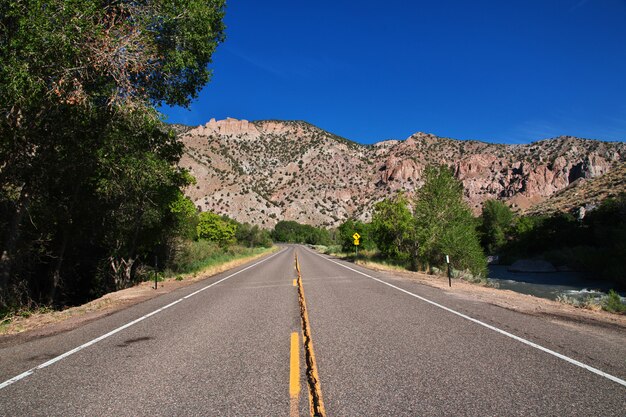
column 383, row 351
column 222, row 351
column 384, row 345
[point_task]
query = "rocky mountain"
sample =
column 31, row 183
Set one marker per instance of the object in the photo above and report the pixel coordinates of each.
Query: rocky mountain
column 265, row 171
column 584, row 193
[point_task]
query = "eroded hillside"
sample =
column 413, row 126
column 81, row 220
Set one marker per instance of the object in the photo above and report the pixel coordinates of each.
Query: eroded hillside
column 266, row 171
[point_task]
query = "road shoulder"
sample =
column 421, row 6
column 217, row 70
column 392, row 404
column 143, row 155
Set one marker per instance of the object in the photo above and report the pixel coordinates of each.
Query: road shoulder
column 38, row 325
column 510, row 300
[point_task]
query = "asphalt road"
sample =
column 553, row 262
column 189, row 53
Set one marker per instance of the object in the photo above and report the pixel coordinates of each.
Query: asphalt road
column 384, row 345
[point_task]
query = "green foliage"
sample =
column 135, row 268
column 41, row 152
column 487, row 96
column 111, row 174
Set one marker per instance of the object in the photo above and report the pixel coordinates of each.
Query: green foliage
column 393, row 227
column 86, row 52
column 216, row 229
column 440, row 224
column 294, row 232
column 186, row 216
column 253, row 236
column 613, row 303
column 596, row 245
column 194, row 256
column 445, row 225
column 497, row 220
column 88, row 186
column 348, row 228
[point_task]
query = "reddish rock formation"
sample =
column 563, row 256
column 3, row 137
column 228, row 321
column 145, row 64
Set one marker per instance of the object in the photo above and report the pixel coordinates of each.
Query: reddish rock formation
column 265, row 171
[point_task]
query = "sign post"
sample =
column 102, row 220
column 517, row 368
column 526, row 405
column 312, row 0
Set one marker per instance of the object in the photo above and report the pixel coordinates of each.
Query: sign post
column 449, row 271
column 356, row 238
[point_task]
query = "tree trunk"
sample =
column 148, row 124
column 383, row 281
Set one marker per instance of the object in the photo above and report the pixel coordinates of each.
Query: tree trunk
column 10, row 243
column 56, row 275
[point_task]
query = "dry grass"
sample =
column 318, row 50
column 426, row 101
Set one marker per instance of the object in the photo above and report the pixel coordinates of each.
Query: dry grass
column 381, row 266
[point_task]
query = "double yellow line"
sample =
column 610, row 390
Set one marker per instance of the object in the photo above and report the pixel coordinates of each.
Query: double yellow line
column 316, row 403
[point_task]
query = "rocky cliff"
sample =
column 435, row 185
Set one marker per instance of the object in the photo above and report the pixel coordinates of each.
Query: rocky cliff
column 265, row 171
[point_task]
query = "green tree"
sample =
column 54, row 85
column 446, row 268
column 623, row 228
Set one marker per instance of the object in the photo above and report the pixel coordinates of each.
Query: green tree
column 393, row 229
column 351, row 226
column 444, row 223
column 88, row 176
column 289, row 231
column 497, row 219
column 253, row 236
column 216, row 229
column 186, row 216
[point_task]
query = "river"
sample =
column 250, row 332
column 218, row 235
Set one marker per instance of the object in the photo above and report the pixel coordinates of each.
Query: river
column 548, row 285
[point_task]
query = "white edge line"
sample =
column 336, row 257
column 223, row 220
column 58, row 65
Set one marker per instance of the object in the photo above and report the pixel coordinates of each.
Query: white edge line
column 495, row 329
column 125, row 326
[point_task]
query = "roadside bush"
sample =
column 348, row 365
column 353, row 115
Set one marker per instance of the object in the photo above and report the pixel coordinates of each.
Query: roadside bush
column 393, row 228
column 216, row 229
column 190, row 254
column 348, row 228
column 253, row 236
column 613, row 303
column 294, row 232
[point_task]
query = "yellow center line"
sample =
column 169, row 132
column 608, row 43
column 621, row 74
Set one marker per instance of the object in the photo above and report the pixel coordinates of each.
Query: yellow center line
column 295, row 282
column 294, row 375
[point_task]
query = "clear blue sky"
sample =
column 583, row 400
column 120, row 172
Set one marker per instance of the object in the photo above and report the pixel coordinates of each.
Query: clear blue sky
column 507, row 71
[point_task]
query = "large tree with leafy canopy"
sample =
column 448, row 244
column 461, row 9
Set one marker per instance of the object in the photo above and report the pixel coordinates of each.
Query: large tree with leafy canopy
column 444, row 223
column 87, row 174
column 497, row 220
column 393, row 229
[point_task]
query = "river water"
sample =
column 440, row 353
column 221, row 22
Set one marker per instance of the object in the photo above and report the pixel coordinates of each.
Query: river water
column 548, row 285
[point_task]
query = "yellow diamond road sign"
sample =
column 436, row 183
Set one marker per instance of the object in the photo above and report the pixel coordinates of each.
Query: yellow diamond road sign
column 356, row 236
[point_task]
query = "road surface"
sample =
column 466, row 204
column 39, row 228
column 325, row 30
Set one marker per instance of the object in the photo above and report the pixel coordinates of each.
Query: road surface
column 381, row 345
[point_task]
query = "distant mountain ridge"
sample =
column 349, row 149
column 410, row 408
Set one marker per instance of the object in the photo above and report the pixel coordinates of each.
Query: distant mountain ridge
column 265, row 171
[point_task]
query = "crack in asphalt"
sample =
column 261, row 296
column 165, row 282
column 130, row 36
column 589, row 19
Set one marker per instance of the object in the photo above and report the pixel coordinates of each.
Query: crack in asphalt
column 315, row 390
